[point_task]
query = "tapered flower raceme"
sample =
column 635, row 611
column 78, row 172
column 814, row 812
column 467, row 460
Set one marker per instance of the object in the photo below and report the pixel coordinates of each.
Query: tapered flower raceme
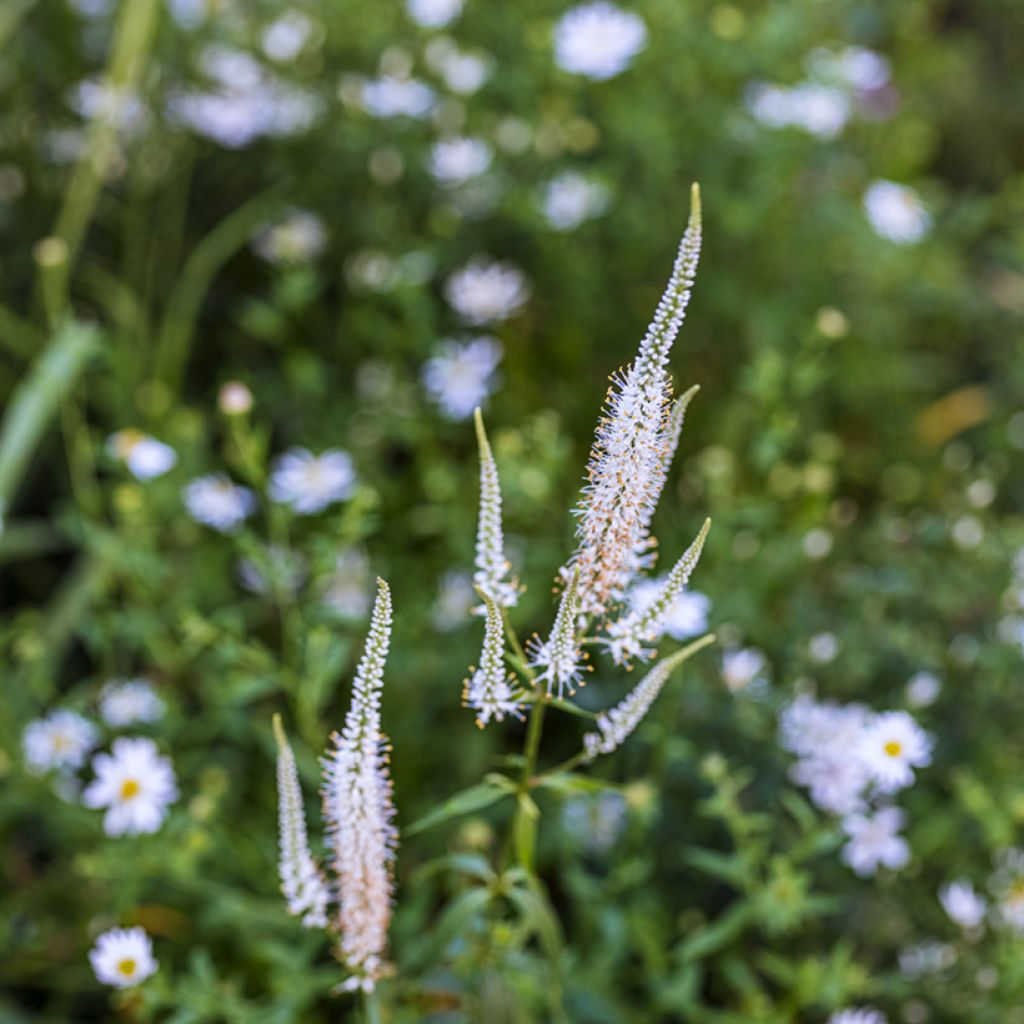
column 627, row 465
column 302, row 882
column 617, row 724
column 627, row 636
column 359, row 813
column 559, row 657
column 492, row 567
column 489, row 691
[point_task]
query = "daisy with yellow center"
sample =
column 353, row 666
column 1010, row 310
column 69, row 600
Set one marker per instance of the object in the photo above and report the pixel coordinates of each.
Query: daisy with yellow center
column 122, row 957
column 892, row 746
column 135, row 784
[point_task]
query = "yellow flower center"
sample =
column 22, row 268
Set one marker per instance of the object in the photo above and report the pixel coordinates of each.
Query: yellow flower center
column 126, row 967
column 893, row 748
column 129, row 788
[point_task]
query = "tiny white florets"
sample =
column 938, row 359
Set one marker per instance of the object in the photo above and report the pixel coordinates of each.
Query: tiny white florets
column 489, row 691
column 492, row 567
column 559, row 658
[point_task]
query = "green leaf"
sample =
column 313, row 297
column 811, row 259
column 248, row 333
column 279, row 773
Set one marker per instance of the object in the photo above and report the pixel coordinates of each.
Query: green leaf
column 474, row 864
column 569, row 782
column 457, row 915
column 475, row 798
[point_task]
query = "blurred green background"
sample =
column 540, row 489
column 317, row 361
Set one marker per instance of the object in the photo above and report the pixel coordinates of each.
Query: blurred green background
column 197, row 193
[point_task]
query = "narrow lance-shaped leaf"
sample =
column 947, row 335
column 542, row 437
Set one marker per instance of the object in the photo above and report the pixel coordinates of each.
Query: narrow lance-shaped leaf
column 302, row 882
column 626, row 637
column 559, row 657
column 492, row 567
column 359, row 812
column 617, row 724
column 489, row 691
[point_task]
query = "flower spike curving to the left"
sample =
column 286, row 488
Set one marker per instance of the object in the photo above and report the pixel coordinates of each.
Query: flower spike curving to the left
column 359, row 817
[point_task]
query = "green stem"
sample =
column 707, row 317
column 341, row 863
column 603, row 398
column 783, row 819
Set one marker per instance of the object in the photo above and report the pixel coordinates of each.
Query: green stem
column 560, row 769
column 371, row 1007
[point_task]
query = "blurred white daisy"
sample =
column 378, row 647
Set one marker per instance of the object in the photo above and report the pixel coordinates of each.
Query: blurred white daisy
column 122, row 957
column 742, row 667
column 455, row 161
column 387, row 97
column 922, row 689
column 217, row 502
column 62, row 739
column 460, row 375
column 834, row 780
column 284, row 38
column 892, row 746
column 463, row 71
column 123, row 702
column 309, row 483
column 135, row 784
column 485, row 291
column 854, row 66
column 874, row 841
column 819, row 110
column 857, row 1015
column 823, row 648
column 963, row 904
column 433, row 13
column 598, row 40
column 570, row 199
column 298, row 237
column 896, row 212
column 145, row 456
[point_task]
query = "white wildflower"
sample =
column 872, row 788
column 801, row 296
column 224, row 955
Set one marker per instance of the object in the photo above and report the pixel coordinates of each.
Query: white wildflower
column 122, row 957
column 813, row 729
column 485, row 291
column 61, row 740
column 617, row 724
column 463, row 71
column 819, row 110
column 298, row 237
column 302, row 883
column 742, row 667
column 234, row 398
column 835, row 781
column 457, row 160
column 461, row 375
column 488, row 690
column 492, row 567
column 388, row 97
column 823, row 648
column 455, row 601
column 687, row 615
column 896, row 212
column 433, row 13
column 598, row 40
column 632, row 441
column 857, row 1015
column 359, row 813
column 570, row 199
column 284, row 38
column 626, row 636
column 853, row 66
column 922, row 689
column 928, row 957
column 135, row 784
column 892, row 746
column 124, row 702
column 145, row 456
column 217, row 502
column 559, row 657
column 309, row 483
column 964, row 906
column 874, row 841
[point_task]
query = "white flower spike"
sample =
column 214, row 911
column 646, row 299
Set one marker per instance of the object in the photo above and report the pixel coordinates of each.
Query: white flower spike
column 625, row 472
column 302, row 882
column 627, row 636
column 359, row 813
column 492, row 567
column 559, row 657
column 488, row 690
column 617, row 724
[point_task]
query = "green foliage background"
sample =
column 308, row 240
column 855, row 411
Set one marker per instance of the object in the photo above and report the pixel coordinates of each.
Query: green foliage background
column 848, row 384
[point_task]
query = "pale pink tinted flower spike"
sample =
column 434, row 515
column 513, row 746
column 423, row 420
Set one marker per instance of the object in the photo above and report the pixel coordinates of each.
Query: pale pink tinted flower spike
column 492, row 567
column 488, row 691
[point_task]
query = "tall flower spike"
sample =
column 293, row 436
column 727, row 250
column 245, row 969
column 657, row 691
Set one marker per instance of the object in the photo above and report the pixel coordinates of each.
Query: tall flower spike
column 488, row 691
column 625, row 472
column 302, row 882
column 627, row 635
column 492, row 567
column 559, row 657
column 616, row 725
column 359, row 813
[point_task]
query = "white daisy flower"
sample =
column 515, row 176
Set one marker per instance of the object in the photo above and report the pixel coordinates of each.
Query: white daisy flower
column 598, row 40
column 835, row 781
column 461, row 375
column 433, row 13
column 852, row 66
column 456, row 161
column 813, row 729
column 122, row 957
column 387, row 97
column 284, row 38
column 964, row 906
column 217, row 502
column 874, row 841
column 687, row 615
column 892, row 746
column 485, row 291
column 857, row 1015
column 145, row 456
column 309, row 483
column 896, row 212
column 819, row 110
column 123, row 702
column 135, row 784
column 823, row 648
column 62, row 740
column 299, row 237
column 923, row 689
column 570, row 199
column 741, row 668
column 464, row 71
